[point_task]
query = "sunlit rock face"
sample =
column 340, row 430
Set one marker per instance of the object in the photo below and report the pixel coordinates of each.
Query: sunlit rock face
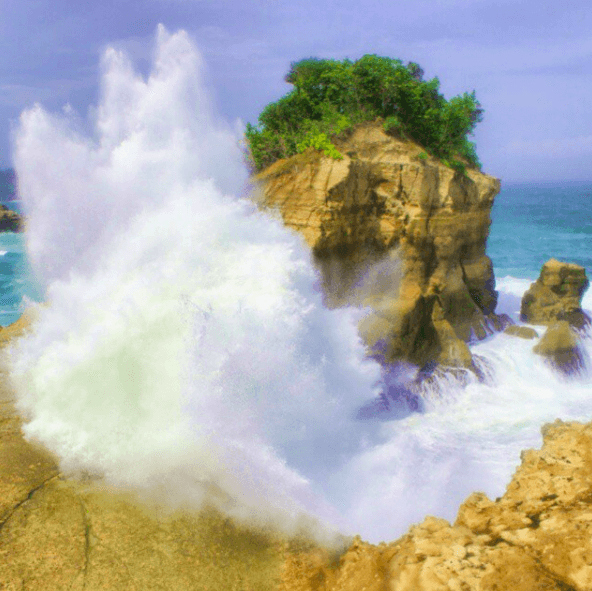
column 401, row 232
column 557, row 295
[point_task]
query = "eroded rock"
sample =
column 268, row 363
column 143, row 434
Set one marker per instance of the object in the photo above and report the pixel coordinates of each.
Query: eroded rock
column 523, row 332
column 536, row 537
column 380, row 200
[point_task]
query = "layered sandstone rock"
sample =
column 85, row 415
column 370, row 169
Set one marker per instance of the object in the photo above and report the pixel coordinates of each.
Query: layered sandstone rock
column 537, row 537
column 425, row 223
column 556, row 295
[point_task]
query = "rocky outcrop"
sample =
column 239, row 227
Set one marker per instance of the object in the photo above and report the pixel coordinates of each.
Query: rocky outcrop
column 10, row 221
column 556, row 295
column 537, row 537
column 555, row 300
column 58, row 533
column 421, row 223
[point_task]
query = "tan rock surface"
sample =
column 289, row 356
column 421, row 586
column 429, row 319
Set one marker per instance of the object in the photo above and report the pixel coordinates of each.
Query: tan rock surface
column 60, row 534
column 537, row 537
column 381, row 198
column 57, row 533
column 523, row 332
column 556, row 295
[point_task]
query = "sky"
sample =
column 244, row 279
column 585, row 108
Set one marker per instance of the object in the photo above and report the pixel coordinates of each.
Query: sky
column 529, row 61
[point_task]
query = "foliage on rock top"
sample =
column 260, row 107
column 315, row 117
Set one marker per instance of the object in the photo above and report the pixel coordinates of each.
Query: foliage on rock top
column 331, row 96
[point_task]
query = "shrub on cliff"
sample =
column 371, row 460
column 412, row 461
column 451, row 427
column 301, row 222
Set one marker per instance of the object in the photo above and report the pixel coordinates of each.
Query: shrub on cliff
column 330, row 96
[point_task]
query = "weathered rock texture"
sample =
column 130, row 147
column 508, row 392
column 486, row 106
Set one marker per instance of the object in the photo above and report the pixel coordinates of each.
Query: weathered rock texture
column 10, row 221
column 426, row 224
column 537, row 537
column 60, row 534
column 556, row 295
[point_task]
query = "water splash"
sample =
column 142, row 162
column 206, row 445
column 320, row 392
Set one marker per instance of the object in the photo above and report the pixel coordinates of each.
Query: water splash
column 184, row 350
column 185, row 354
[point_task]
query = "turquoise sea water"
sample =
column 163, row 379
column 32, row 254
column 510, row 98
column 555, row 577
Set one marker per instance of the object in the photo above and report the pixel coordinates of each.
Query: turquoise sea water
column 17, row 284
column 534, row 222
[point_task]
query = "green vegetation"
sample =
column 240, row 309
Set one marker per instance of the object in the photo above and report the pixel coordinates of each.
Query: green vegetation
column 331, row 96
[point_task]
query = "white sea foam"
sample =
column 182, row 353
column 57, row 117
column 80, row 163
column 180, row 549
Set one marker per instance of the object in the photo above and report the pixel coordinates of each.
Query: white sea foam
column 184, row 349
column 184, row 352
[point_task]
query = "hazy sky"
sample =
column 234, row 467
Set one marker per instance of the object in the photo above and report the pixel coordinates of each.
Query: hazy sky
column 529, row 61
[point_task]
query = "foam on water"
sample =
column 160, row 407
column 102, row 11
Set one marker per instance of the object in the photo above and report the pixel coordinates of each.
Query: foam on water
column 469, row 438
column 185, row 353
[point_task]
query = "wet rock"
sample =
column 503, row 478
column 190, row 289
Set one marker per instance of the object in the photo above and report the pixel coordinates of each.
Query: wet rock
column 10, row 221
column 523, row 332
column 559, row 345
column 537, row 537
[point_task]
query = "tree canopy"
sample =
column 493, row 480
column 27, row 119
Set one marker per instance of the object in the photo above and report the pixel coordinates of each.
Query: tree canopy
column 330, row 96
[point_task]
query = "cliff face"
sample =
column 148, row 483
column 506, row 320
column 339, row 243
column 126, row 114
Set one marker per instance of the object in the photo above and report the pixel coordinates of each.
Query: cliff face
column 425, row 222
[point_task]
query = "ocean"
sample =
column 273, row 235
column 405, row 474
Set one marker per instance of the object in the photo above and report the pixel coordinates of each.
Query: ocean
column 186, row 354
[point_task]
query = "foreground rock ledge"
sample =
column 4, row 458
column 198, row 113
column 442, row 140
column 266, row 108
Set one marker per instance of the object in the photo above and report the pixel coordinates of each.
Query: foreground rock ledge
column 537, row 537
column 60, row 534
column 386, row 200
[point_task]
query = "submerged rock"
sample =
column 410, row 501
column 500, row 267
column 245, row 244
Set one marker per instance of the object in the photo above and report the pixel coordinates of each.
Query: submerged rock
column 557, row 295
column 401, row 234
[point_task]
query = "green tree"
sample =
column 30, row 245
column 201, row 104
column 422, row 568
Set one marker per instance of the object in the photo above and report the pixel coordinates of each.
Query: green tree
column 330, row 96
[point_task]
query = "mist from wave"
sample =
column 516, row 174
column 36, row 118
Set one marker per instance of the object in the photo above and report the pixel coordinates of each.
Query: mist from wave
column 184, row 351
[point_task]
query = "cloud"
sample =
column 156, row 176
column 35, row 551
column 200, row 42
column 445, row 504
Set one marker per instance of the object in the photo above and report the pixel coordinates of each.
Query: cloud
column 21, row 96
column 563, row 146
column 514, row 56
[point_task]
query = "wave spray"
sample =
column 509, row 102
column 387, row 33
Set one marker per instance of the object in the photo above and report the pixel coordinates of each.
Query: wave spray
column 185, row 354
